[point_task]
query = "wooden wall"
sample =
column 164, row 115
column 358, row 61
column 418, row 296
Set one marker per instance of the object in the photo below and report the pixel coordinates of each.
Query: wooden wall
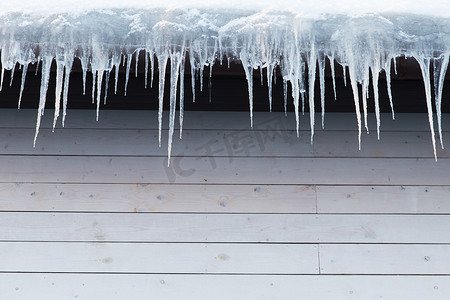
column 94, row 212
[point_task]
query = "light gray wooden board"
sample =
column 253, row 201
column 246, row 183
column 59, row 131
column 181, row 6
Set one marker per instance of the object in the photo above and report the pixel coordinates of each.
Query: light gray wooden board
column 384, row 259
column 145, row 142
column 157, row 198
column 383, row 199
column 139, row 119
column 391, row 144
column 158, row 258
column 217, row 170
column 257, row 228
column 218, row 143
column 224, row 198
column 221, row 287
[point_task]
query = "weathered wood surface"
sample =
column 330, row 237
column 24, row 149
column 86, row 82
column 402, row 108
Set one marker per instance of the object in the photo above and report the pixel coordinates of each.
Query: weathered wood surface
column 218, row 143
column 157, row 198
column 199, row 198
column 94, row 212
column 158, row 258
column 383, row 199
column 224, row 170
column 223, row 287
column 384, row 259
column 236, row 228
column 119, row 119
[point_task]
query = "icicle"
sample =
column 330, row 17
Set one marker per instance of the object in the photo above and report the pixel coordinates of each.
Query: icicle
column 58, row 90
column 46, row 64
column 22, row 85
column 354, row 85
column 93, row 86
column 425, row 68
column 192, row 64
column 333, row 74
column 116, row 77
column 303, row 95
column 175, row 62
column 162, row 63
column 2, row 76
column 99, row 90
column 152, row 68
column 182, row 66
column 311, row 81
column 344, row 72
column 127, row 73
column 321, row 61
column 249, row 76
column 12, row 75
column 375, row 77
column 200, row 76
column 388, row 82
column 107, row 75
column 67, row 70
column 303, row 104
column 36, row 71
column 137, row 63
column 365, row 96
column 395, row 65
column 146, row 69
column 210, row 82
column 261, row 77
column 285, row 96
column 440, row 68
column 84, row 70
column 296, row 94
column 269, row 71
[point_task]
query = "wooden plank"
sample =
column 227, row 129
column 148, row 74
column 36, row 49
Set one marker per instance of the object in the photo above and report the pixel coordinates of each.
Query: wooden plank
column 158, row 198
column 391, row 144
column 15, row 286
column 384, row 199
column 220, row 170
column 259, row 228
column 145, row 142
column 198, row 143
column 140, row 119
column 384, row 259
column 158, row 258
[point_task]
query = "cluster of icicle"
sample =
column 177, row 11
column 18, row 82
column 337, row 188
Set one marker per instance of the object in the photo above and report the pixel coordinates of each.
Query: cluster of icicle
column 271, row 41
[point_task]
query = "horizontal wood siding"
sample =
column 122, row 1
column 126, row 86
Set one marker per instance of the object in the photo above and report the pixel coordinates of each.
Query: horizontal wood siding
column 94, row 212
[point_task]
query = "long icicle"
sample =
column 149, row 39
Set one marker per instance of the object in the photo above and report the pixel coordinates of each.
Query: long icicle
column 46, row 64
column 67, row 70
column 321, row 61
column 440, row 69
column 22, row 84
column 388, row 81
column 424, row 64
column 175, row 62
column 376, row 96
column 182, row 66
column 162, row 63
column 354, row 85
column 249, row 75
column 311, row 82
column 58, row 90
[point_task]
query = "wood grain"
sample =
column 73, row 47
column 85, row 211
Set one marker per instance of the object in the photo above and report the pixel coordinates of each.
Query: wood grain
column 158, row 258
column 50, row 286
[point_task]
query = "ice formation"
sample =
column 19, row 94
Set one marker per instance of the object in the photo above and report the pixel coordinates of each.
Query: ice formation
column 294, row 39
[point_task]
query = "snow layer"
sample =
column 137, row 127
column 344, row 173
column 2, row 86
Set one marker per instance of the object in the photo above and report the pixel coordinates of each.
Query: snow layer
column 294, row 37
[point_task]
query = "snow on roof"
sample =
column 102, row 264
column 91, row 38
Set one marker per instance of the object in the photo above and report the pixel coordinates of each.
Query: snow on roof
column 295, row 37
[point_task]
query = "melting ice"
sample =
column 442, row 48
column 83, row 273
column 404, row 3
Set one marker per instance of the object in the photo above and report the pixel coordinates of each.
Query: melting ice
column 289, row 40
